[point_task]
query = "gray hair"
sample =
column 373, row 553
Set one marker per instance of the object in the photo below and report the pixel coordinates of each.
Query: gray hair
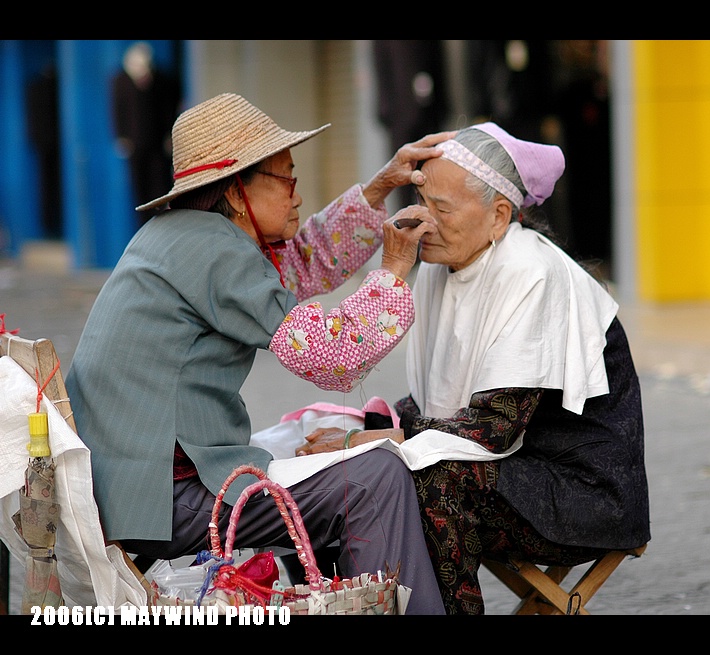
column 211, row 197
column 488, row 149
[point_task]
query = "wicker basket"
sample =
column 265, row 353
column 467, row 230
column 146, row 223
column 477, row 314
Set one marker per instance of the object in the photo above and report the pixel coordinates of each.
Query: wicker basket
column 364, row 594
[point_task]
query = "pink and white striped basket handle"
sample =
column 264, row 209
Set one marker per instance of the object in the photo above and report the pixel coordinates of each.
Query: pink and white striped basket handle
column 284, row 501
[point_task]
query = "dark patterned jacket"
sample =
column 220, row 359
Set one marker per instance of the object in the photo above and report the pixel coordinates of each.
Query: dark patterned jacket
column 579, row 479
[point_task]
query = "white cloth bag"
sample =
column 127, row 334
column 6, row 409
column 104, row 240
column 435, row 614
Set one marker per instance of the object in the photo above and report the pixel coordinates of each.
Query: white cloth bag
column 90, row 573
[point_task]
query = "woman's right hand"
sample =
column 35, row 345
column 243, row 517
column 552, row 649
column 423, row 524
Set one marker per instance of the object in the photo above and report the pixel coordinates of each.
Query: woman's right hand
column 400, row 246
column 322, row 440
column 398, row 170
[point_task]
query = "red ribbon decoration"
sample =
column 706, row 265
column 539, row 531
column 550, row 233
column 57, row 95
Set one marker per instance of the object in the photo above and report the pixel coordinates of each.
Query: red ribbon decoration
column 265, row 247
column 205, row 167
column 2, row 326
column 40, row 389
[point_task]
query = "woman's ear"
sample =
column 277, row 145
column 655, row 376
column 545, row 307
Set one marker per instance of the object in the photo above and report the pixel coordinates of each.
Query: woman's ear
column 503, row 214
column 233, row 196
column 233, row 193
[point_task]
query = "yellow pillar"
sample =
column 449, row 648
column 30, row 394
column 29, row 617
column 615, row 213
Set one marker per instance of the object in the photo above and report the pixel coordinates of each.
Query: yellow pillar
column 672, row 159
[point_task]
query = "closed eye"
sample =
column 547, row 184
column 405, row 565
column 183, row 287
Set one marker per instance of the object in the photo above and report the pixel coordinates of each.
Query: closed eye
column 433, row 204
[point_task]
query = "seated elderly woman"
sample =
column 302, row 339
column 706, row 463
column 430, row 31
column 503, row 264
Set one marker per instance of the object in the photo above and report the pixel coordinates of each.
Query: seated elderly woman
column 513, row 338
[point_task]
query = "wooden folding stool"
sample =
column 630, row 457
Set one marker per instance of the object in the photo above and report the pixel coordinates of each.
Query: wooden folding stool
column 540, row 590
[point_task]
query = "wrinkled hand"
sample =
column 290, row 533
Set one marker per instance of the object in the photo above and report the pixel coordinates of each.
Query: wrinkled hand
column 323, row 440
column 400, row 247
column 400, row 170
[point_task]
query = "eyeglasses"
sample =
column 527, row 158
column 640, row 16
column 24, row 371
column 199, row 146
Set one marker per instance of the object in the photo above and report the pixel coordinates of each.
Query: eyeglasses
column 291, row 180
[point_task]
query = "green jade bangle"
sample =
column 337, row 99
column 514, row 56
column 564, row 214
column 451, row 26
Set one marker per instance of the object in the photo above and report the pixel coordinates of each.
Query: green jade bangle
column 350, row 433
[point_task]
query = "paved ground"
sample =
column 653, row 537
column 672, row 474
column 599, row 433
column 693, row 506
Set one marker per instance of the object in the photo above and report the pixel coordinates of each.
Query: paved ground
column 671, row 346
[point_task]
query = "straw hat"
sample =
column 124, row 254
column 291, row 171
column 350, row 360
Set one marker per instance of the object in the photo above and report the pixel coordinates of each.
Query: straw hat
column 220, row 137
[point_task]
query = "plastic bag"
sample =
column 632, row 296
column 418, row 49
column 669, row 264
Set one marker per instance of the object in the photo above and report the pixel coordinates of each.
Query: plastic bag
column 184, row 583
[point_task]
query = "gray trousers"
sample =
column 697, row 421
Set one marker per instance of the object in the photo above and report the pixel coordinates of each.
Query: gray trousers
column 367, row 503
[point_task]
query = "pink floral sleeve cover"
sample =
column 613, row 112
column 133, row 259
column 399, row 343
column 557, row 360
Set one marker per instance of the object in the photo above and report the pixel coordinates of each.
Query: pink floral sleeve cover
column 337, row 350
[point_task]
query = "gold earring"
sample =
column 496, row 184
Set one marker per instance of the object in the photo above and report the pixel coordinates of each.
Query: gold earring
column 241, row 214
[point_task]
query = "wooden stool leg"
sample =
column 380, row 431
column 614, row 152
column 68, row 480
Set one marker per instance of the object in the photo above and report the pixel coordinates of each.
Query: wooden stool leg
column 548, row 588
column 597, row 574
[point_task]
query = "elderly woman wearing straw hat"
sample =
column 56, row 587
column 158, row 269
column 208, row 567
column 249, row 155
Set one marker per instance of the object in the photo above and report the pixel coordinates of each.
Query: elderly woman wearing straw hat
column 516, row 349
column 156, row 377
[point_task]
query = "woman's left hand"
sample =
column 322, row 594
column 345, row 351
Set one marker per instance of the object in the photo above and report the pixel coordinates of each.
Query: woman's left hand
column 328, row 440
column 401, row 169
column 401, row 246
column 323, row 440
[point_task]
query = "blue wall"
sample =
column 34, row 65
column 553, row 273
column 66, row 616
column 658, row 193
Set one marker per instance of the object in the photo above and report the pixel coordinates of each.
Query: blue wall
column 97, row 203
column 19, row 182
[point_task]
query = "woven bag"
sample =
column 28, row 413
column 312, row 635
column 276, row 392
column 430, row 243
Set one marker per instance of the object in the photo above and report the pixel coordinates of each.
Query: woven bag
column 366, row 593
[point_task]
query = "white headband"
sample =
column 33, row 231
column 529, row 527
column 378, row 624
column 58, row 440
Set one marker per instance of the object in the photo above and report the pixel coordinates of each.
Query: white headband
column 462, row 156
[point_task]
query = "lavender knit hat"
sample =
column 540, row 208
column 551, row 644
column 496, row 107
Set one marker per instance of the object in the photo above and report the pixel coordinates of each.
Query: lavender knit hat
column 539, row 165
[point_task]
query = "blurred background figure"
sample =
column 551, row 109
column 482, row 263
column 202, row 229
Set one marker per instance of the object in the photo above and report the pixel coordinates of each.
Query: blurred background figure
column 43, row 125
column 583, row 109
column 513, row 83
column 411, row 94
column 145, row 105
